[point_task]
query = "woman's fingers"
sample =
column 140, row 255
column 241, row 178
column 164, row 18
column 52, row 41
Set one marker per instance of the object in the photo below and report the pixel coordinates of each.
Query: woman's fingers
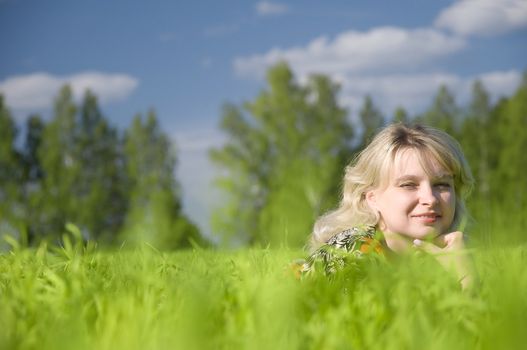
column 448, row 249
column 450, row 241
column 427, row 246
column 441, row 240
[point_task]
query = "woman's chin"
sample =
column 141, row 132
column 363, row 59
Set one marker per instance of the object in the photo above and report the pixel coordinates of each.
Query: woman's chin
column 426, row 234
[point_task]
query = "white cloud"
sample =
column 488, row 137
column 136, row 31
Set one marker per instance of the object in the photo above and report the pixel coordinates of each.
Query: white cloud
column 36, row 91
column 267, row 8
column 501, row 84
column 393, row 65
column 381, row 49
column 483, row 17
column 415, row 92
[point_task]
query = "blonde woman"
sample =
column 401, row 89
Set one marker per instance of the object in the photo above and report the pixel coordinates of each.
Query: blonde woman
column 405, row 190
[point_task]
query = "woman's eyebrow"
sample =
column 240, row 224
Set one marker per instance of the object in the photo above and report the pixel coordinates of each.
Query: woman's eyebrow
column 406, row 177
column 440, row 176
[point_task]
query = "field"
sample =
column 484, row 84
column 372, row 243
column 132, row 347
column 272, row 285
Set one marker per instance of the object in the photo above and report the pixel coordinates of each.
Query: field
column 82, row 297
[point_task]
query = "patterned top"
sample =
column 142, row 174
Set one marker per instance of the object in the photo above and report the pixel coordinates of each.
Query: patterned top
column 352, row 243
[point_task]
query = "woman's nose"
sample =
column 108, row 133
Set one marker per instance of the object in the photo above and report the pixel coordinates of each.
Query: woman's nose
column 427, row 195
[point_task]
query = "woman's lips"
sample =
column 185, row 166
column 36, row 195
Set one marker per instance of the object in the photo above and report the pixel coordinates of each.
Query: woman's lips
column 428, row 218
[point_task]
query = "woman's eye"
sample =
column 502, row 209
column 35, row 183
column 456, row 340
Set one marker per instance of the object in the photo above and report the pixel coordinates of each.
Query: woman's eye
column 443, row 185
column 408, row 185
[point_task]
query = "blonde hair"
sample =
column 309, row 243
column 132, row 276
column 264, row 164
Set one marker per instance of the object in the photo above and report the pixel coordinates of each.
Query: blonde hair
column 372, row 165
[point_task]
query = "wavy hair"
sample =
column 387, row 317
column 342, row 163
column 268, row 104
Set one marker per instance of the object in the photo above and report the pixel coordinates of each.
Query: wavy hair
column 371, row 168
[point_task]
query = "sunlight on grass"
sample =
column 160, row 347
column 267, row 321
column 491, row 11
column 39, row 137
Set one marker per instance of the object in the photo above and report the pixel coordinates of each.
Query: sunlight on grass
column 84, row 298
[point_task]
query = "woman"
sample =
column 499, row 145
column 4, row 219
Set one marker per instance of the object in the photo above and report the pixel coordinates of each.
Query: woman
column 405, row 190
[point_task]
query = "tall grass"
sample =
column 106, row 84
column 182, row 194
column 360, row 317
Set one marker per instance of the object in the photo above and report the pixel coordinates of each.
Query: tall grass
column 84, row 298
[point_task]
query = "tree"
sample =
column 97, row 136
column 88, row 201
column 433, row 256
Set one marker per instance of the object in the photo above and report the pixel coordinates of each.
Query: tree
column 79, row 156
column 34, row 131
column 443, row 114
column 246, row 165
column 155, row 213
column 510, row 182
column 371, row 119
column 285, row 152
column 505, row 139
column 401, row 115
column 477, row 139
column 100, row 183
column 11, row 211
column 33, row 176
column 59, row 161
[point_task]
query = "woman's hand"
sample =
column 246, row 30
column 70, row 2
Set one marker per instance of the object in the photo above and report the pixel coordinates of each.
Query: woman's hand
column 449, row 250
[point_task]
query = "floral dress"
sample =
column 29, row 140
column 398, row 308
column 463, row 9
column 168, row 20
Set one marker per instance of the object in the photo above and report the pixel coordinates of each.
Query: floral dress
column 352, row 243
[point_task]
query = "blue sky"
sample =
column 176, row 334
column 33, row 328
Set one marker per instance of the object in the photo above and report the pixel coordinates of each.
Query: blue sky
column 186, row 58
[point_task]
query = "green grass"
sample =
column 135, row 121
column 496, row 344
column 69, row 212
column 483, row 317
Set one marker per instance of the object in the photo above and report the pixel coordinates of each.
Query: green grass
column 85, row 298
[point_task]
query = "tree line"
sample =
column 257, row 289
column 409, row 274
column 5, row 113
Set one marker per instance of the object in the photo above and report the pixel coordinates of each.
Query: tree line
column 117, row 188
column 286, row 152
column 281, row 166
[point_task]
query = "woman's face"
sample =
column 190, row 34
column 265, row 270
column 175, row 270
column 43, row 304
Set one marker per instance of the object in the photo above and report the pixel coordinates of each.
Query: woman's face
column 413, row 203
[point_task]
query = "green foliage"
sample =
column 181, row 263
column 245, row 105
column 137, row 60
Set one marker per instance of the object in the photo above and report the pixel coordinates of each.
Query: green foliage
column 285, row 150
column 372, row 120
column 100, row 181
column 57, row 154
column 494, row 139
column 154, row 194
column 443, row 114
column 76, row 168
column 281, row 167
column 74, row 297
column 513, row 158
column 401, row 115
column 34, row 130
column 476, row 140
column 11, row 169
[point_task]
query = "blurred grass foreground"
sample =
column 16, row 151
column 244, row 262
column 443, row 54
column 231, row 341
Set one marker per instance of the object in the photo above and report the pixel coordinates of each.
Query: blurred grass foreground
column 80, row 297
